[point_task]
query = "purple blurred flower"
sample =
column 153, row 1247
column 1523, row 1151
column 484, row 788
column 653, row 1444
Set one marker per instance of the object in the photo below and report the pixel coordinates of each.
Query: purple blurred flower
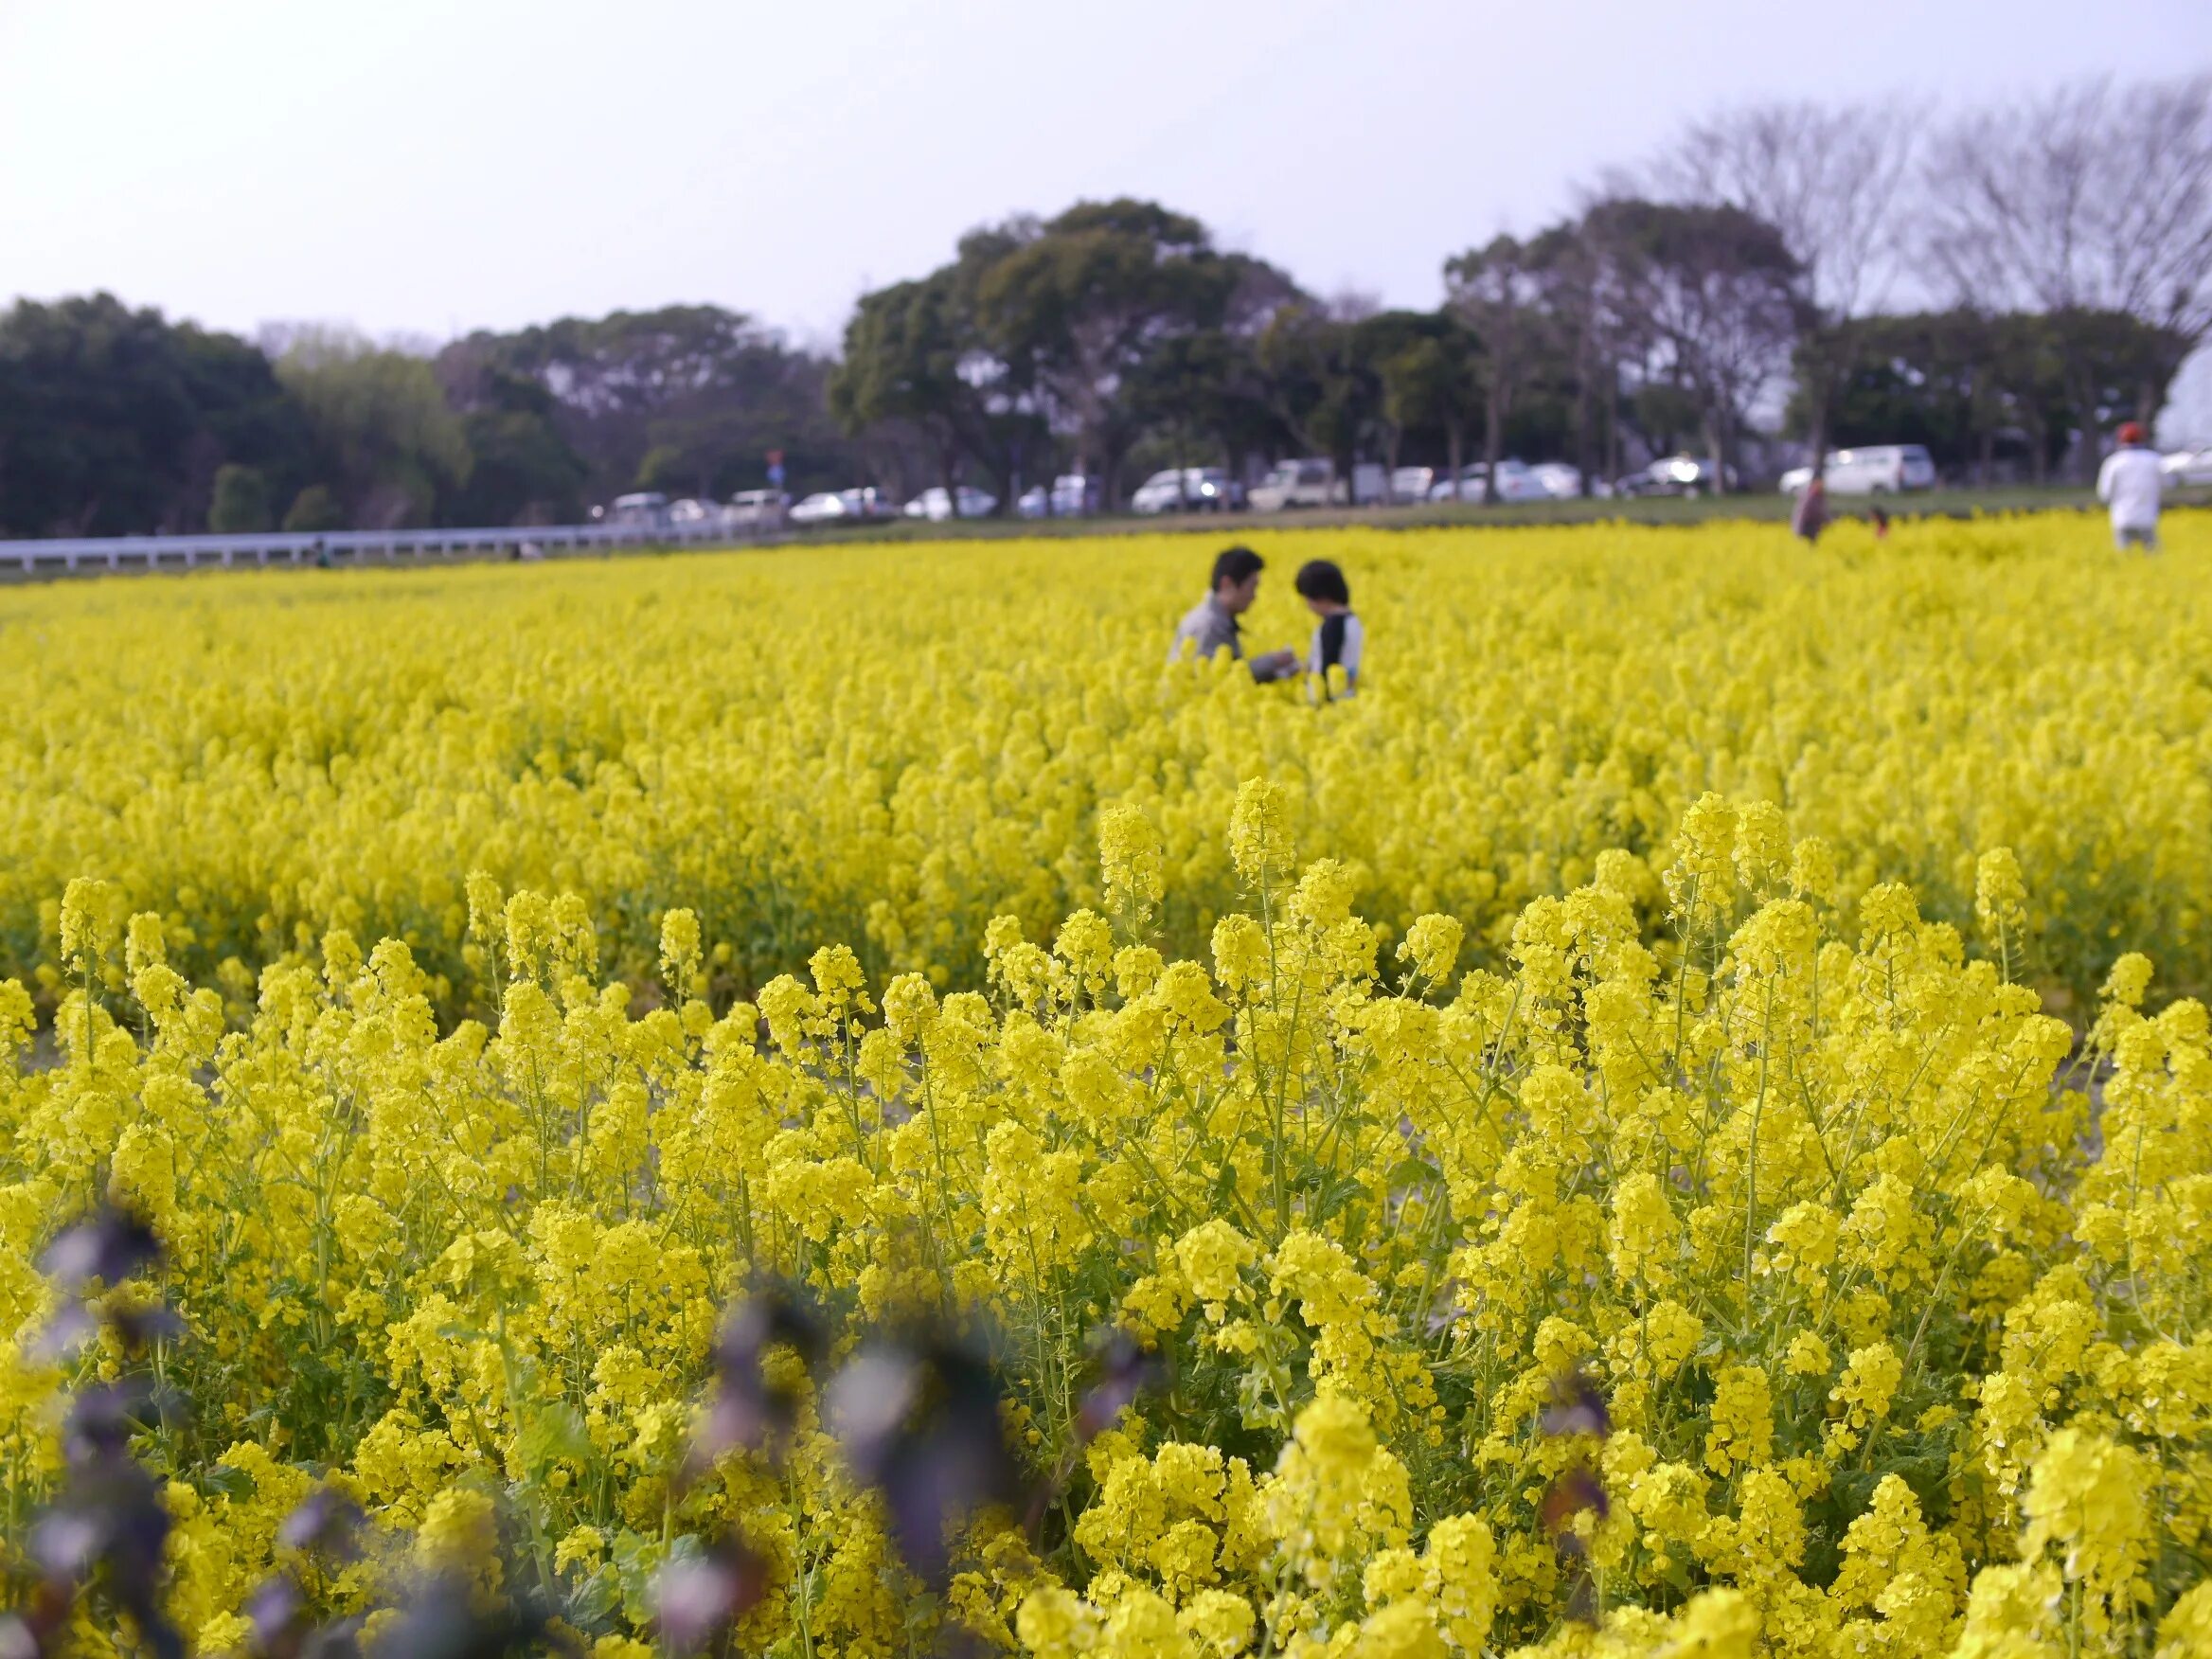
column 110, row 1246
column 1576, row 1407
column 1125, row 1372
column 698, row 1597
column 920, row 1423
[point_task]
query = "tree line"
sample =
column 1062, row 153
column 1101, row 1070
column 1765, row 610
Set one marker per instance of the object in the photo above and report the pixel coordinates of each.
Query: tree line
column 2004, row 286
column 118, row 421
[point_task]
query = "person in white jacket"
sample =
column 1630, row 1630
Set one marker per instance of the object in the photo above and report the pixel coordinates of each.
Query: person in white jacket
column 2130, row 483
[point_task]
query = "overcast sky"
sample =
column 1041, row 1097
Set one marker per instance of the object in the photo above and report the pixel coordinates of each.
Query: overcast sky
column 427, row 166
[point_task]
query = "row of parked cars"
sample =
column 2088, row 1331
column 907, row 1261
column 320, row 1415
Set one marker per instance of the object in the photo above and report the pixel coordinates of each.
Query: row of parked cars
column 1318, row 483
column 1288, row 485
column 1872, row 470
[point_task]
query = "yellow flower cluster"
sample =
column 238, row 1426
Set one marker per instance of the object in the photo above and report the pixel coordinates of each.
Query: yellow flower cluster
column 891, row 745
column 1785, row 1282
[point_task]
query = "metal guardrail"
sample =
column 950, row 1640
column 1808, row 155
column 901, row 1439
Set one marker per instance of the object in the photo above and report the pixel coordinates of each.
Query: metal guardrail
column 140, row 554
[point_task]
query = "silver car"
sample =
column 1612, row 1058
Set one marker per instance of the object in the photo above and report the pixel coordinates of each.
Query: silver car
column 936, row 505
column 1193, row 488
column 757, row 508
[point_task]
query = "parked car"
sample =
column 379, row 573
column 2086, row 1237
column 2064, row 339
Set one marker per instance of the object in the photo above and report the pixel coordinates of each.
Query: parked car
column 868, row 502
column 689, row 512
column 1074, row 495
column 1306, row 483
column 1560, row 481
column 1516, row 482
column 1189, row 489
column 757, row 508
column 1689, row 475
column 1878, row 470
column 936, row 505
column 1411, row 483
column 1314, row 483
column 2187, row 469
column 645, row 507
column 854, row 506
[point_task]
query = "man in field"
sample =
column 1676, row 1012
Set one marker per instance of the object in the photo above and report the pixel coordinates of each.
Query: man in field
column 1212, row 626
column 2130, row 484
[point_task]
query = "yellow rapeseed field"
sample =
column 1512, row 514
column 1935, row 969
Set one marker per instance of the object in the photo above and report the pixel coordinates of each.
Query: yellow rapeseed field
column 887, row 746
column 1506, row 1164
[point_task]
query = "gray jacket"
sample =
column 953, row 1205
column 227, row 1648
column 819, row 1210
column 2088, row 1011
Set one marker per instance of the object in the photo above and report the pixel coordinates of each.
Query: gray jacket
column 1210, row 629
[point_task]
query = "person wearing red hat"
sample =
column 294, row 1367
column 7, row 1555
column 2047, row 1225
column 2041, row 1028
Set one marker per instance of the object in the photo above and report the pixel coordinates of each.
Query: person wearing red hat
column 2130, row 485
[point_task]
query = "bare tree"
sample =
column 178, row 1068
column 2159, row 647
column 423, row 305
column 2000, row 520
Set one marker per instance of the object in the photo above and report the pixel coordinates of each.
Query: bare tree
column 1715, row 298
column 1581, row 293
column 1495, row 291
column 1834, row 180
column 1353, row 304
column 2093, row 198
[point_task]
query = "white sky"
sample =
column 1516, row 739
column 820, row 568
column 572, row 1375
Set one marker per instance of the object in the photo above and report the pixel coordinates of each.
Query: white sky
column 426, row 166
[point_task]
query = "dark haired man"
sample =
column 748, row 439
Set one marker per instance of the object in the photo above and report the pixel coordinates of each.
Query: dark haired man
column 1212, row 626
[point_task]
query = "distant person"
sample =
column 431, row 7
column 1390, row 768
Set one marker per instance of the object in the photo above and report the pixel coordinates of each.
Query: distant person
column 1212, row 626
column 1879, row 520
column 1338, row 638
column 1809, row 517
column 2130, row 483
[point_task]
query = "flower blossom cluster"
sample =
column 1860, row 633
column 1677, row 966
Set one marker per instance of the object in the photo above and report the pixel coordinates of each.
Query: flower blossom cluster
column 1725, row 1269
column 808, row 744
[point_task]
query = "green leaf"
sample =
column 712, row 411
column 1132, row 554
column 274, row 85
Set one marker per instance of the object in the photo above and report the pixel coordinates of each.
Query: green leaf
column 635, row 1561
column 231, row 1483
column 553, row 1434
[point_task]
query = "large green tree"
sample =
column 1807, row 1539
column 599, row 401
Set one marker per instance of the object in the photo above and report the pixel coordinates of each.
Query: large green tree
column 690, row 399
column 1203, row 394
column 115, row 421
column 1322, row 382
column 390, row 444
column 916, row 355
column 1719, row 299
column 1426, row 372
column 1973, row 388
column 1082, row 305
column 241, row 501
column 525, row 470
column 1411, row 378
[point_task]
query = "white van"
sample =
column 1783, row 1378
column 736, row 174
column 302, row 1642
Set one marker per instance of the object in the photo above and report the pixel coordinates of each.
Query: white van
column 1312, row 482
column 1887, row 468
column 1307, row 483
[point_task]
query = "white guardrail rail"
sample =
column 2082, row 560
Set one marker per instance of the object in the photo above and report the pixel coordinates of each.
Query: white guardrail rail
column 348, row 548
